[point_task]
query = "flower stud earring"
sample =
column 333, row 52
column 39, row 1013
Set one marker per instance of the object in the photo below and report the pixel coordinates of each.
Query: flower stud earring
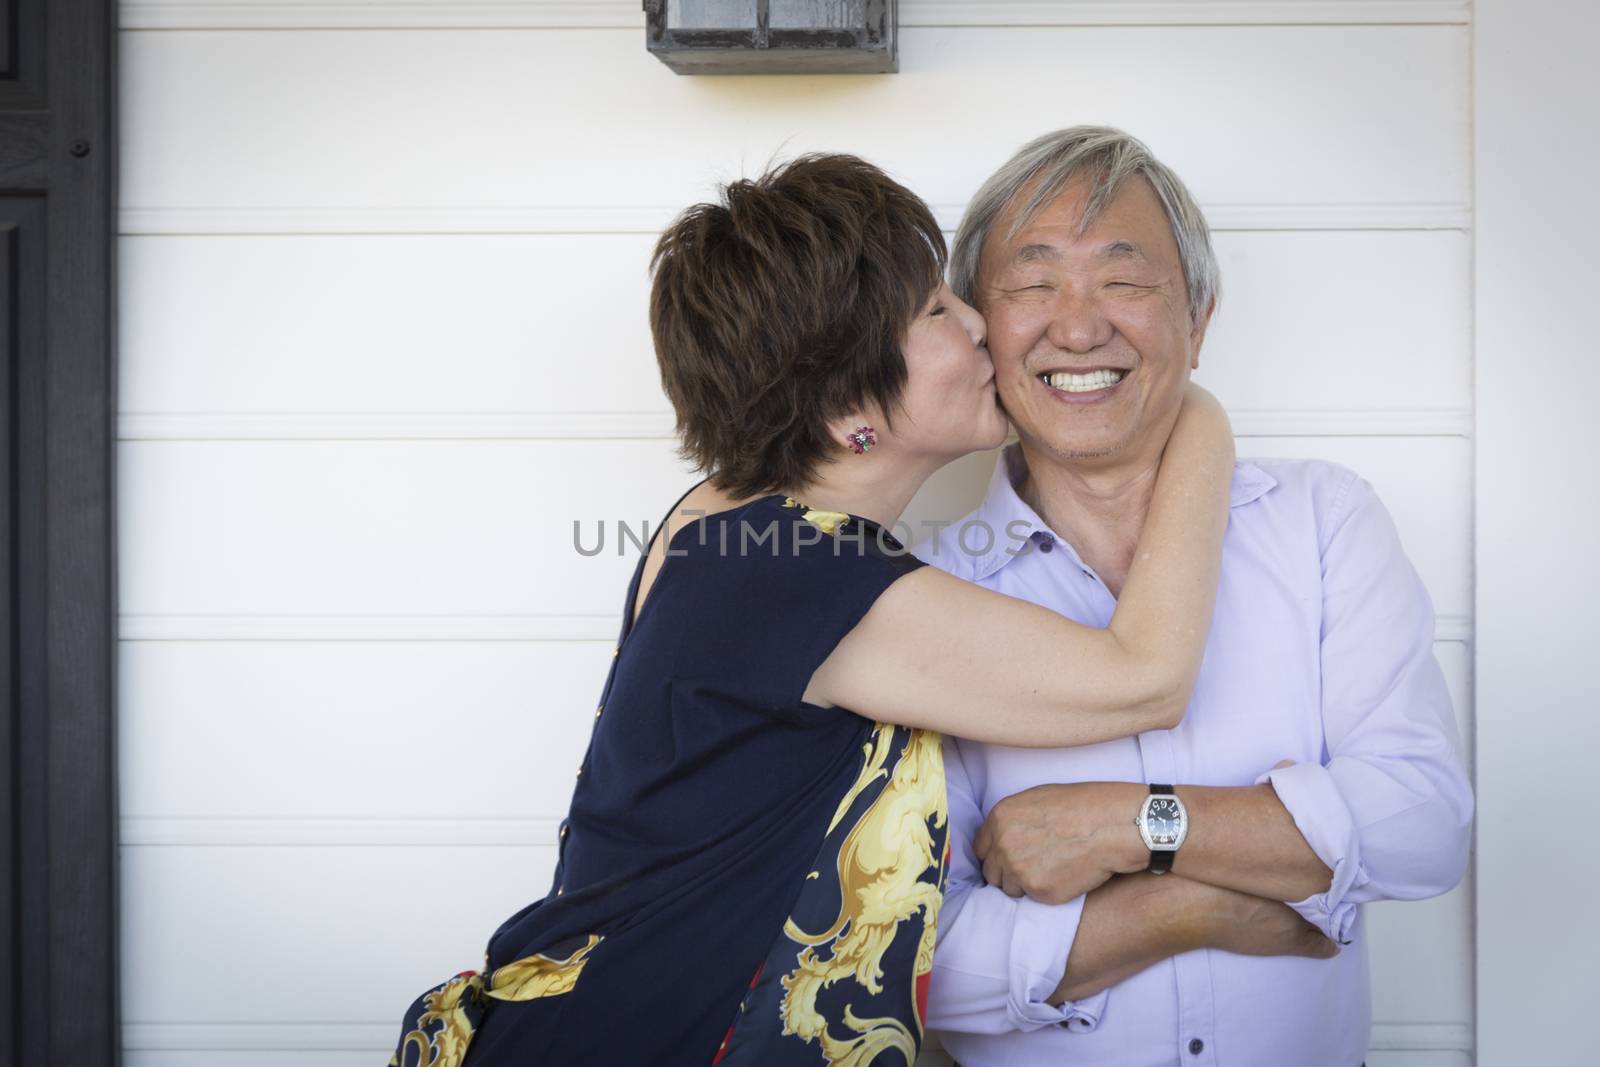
column 863, row 438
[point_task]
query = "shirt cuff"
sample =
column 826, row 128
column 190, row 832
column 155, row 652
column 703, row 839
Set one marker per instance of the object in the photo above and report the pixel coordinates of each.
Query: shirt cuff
column 1041, row 937
column 1313, row 799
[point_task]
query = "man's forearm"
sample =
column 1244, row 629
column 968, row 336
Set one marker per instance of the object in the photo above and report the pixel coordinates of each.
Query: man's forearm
column 1128, row 924
column 1058, row 841
column 1243, row 838
column 1137, row 920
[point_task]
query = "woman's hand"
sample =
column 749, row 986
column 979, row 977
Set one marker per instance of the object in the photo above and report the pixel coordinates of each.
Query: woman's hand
column 1053, row 843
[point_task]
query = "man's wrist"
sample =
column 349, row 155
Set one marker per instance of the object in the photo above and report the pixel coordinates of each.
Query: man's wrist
column 1126, row 850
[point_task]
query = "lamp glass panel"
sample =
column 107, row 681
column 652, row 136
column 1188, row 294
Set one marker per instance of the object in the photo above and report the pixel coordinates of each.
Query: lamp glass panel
column 817, row 14
column 712, row 14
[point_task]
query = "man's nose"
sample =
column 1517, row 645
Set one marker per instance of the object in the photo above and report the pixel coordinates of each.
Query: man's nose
column 1078, row 324
column 973, row 320
column 978, row 330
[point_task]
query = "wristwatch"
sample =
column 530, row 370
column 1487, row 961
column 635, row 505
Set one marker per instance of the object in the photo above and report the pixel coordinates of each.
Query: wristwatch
column 1163, row 823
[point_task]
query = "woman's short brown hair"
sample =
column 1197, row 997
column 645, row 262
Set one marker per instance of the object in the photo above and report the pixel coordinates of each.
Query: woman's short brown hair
column 783, row 307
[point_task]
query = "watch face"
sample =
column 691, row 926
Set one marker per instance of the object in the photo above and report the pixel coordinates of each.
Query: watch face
column 1161, row 821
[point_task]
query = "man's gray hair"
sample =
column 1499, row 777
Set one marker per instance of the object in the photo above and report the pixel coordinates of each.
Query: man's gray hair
column 1107, row 156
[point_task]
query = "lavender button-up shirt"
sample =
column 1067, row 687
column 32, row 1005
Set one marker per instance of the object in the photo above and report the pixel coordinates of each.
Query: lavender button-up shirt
column 1321, row 652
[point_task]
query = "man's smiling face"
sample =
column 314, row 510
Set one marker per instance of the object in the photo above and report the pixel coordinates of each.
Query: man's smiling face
column 1090, row 334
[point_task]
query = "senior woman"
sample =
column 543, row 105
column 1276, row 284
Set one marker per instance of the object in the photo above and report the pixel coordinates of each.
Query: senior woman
column 752, row 865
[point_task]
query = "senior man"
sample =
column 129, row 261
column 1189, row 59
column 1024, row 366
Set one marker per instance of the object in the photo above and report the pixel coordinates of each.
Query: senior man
column 1190, row 896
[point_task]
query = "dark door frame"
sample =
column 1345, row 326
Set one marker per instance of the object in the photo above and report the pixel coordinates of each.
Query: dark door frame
column 59, row 959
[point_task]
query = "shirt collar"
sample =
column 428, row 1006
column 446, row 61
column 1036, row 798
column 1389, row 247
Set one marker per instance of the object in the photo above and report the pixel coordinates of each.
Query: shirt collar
column 1002, row 507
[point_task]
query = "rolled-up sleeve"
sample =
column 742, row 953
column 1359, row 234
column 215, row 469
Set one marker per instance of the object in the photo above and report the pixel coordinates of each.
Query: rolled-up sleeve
column 1390, row 808
column 998, row 959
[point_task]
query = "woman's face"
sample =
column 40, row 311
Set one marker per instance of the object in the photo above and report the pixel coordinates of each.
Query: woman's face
column 948, row 406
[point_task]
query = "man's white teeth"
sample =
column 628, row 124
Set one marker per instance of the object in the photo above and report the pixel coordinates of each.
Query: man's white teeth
column 1083, row 383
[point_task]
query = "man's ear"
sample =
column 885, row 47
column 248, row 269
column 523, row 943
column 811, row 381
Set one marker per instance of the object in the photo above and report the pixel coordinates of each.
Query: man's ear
column 1197, row 336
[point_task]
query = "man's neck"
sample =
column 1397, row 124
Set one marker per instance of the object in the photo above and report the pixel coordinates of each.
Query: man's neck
column 1099, row 505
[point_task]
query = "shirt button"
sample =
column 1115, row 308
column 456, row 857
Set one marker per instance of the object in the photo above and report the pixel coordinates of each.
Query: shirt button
column 1046, row 543
column 1196, row 1047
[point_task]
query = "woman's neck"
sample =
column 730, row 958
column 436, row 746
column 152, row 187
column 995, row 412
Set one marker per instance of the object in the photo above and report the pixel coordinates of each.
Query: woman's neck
column 873, row 487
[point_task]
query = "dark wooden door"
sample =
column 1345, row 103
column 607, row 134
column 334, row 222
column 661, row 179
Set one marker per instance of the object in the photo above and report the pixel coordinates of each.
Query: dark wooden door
column 58, row 804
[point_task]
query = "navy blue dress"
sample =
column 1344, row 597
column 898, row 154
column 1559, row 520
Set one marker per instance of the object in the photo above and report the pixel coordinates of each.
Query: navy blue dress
column 743, row 878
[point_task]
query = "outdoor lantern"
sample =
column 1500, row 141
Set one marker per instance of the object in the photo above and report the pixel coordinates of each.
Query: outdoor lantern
column 773, row 36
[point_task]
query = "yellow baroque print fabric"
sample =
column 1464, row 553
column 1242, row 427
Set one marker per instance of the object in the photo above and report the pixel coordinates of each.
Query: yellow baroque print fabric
column 826, row 521
column 855, row 957
column 442, row 1021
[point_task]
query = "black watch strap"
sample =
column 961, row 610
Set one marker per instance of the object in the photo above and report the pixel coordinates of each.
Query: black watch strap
column 1160, row 860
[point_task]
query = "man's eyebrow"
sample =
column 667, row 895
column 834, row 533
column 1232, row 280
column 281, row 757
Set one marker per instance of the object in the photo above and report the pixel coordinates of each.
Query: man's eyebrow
column 1120, row 250
column 1035, row 252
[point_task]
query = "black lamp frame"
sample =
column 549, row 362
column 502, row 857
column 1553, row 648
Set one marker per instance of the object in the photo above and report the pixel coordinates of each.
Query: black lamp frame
column 869, row 48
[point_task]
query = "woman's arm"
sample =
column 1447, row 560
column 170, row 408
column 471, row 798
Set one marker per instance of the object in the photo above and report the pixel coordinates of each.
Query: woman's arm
column 938, row 652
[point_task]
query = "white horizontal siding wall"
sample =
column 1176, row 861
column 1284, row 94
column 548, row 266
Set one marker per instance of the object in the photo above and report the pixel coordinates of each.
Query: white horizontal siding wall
column 384, row 340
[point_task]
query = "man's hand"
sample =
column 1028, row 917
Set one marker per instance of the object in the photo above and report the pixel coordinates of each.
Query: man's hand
column 1254, row 926
column 1056, row 842
column 1135, row 921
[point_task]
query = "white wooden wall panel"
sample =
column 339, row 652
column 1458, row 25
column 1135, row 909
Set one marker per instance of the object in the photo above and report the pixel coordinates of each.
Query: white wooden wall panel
column 482, row 528
column 1421, row 958
column 384, row 527
column 1327, row 322
column 371, row 743
column 354, row 731
column 384, row 337
column 372, row 119
column 377, row 925
column 608, row 14
column 205, row 930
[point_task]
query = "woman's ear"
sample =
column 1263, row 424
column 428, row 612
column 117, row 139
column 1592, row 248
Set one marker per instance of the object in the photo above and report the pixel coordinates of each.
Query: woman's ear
column 856, row 432
column 861, row 439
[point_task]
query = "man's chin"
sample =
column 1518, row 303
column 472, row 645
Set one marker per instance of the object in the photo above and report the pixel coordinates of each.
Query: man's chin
column 1074, row 455
column 1072, row 448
